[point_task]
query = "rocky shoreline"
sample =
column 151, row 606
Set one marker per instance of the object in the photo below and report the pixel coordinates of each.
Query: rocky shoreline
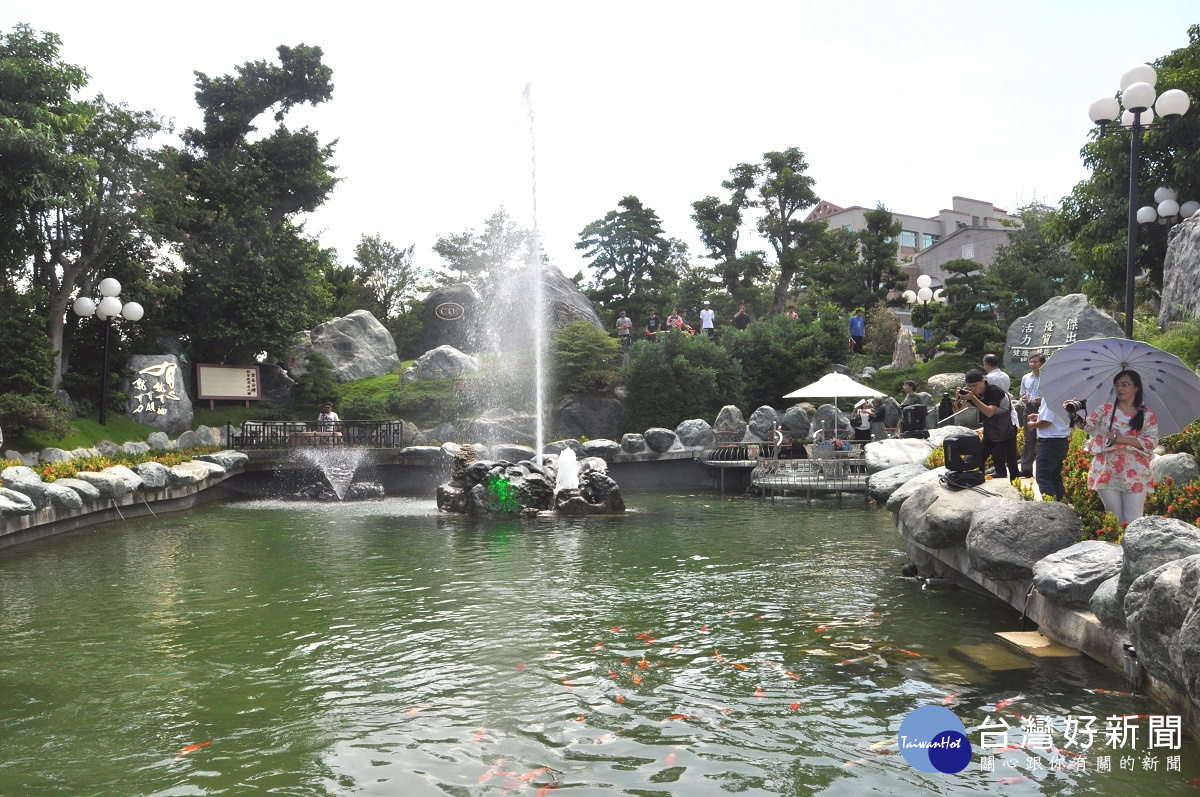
column 1134, row 606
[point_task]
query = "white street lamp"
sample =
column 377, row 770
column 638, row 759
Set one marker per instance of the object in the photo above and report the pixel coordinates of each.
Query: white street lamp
column 1141, row 101
column 108, row 309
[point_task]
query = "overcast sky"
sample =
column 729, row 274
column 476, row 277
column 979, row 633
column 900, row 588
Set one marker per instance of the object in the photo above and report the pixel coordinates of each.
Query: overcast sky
column 908, row 103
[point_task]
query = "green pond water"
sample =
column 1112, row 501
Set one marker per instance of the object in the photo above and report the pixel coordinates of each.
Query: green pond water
column 697, row 645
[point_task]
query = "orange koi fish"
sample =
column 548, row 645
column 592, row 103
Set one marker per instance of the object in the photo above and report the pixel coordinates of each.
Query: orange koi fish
column 739, row 665
column 758, row 693
column 909, row 652
column 542, row 792
column 642, row 663
column 637, row 679
column 1110, row 692
column 858, row 660
column 670, row 760
column 758, row 618
column 1012, row 779
column 822, row 628
column 495, row 770
column 522, row 666
column 620, row 698
column 533, row 773
column 791, row 675
column 192, row 748
column 415, row 710
column 615, row 629
column 567, row 683
column 596, row 646
column 1009, row 701
column 674, row 717
column 948, row 698
column 579, row 718
column 650, row 640
column 613, row 675
column 794, row 706
column 642, row 635
column 675, row 647
column 703, row 629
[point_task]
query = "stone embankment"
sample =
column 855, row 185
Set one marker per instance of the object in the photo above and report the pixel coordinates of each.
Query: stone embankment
column 1133, row 606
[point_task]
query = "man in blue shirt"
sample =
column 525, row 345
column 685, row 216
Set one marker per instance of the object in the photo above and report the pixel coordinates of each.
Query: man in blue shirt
column 858, row 327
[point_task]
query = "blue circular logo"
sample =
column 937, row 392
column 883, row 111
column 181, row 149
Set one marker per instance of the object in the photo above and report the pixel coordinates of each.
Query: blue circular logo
column 933, row 739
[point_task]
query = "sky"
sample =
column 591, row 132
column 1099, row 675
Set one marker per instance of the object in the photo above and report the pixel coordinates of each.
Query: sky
column 904, row 103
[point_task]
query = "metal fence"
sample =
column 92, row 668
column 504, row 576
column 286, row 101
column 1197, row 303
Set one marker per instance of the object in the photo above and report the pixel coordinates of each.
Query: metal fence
column 313, row 434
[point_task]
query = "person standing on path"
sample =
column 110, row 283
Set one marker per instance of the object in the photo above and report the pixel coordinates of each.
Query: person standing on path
column 1031, row 394
column 858, row 329
column 624, row 330
column 653, row 324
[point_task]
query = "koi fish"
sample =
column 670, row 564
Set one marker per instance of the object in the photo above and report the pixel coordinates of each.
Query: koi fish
column 858, row 660
column 192, row 748
column 1008, row 747
column 479, row 734
column 909, row 652
column 791, row 675
column 522, row 666
column 794, row 706
column 567, row 683
column 1012, row 779
column 1110, row 692
column 948, row 698
column 758, row 693
column 674, row 717
column 542, row 792
column 637, row 679
column 739, row 665
column 758, row 618
column 642, row 663
column 625, row 660
column 620, row 698
column 876, row 614
column 642, row 635
column 613, row 675
column 675, row 647
column 1009, row 701
column 608, row 737
column 528, row 776
column 615, row 629
column 703, row 629
column 579, row 718
column 650, row 640
column 495, row 770
column 670, row 760
column 596, row 646
column 821, row 628
column 415, row 710
column 881, row 745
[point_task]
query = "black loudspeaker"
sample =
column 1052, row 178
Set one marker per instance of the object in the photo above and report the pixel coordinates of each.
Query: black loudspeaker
column 963, row 453
column 912, row 420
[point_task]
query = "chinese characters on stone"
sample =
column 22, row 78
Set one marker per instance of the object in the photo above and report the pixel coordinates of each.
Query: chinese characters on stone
column 1041, row 341
column 152, row 394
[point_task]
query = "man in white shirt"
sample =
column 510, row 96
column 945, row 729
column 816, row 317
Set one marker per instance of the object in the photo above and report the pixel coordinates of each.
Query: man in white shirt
column 706, row 319
column 1031, row 394
column 994, row 376
column 1054, row 438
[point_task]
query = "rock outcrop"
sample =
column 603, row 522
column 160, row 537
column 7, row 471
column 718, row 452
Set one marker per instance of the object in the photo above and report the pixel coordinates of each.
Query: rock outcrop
column 356, row 345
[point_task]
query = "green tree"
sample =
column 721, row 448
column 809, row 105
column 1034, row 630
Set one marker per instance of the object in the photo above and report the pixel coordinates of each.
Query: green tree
column 1093, row 219
column 720, row 226
column 970, row 314
column 879, row 274
column 502, row 244
column 632, row 260
column 782, row 353
column 253, row 276
column 785, row 191
column 583, row 359
column 678, row 378
column 1030, row 270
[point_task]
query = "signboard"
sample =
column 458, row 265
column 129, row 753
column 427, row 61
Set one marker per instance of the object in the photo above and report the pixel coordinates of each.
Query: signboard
column 231, row 382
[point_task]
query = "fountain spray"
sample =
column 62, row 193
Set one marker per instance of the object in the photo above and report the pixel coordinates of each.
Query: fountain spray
column 535, row 254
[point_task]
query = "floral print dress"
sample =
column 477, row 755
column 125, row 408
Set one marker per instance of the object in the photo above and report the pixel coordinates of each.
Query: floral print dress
column 1121, row 467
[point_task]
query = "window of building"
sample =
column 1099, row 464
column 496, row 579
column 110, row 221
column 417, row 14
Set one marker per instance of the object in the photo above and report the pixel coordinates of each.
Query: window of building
column 928, row 239
column 908, row 238
column 974, row 221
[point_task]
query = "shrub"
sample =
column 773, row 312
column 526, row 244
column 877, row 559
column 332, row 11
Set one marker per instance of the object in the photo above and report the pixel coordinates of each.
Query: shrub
column 19, row 413
column 317, row 385
column 1187, row 441
column 364, row 408
column 1179, row 501
column 679, row 377
column 584, row 359
column 780, row 354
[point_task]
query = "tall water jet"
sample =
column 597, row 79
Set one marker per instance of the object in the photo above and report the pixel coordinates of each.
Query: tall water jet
column 539, row 292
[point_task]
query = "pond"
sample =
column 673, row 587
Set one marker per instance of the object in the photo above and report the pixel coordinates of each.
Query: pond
column 696, row 645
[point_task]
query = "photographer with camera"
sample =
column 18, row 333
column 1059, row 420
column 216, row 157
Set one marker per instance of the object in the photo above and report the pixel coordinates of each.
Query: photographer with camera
column 999, row 431
column 1123, row 435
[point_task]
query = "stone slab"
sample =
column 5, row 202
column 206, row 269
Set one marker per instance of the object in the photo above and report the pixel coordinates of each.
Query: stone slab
column 1035, row 644
column 992, row 656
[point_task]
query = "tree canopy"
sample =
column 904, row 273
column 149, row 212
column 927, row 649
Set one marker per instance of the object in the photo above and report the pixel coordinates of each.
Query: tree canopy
column 631, row 257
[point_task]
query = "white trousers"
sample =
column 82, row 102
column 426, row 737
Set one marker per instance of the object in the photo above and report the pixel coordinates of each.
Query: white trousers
column 1126, row 506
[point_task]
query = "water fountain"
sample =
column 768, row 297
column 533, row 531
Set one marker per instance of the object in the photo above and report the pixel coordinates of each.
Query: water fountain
column 338, row 466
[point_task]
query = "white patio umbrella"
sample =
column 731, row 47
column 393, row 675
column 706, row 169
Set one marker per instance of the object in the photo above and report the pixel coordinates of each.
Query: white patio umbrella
column 835, row 386
column 1085, row 370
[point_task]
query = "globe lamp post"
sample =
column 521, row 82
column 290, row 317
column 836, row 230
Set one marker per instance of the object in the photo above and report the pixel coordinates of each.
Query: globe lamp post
column 108, row 309
column 923, row 296
column 1141, row 103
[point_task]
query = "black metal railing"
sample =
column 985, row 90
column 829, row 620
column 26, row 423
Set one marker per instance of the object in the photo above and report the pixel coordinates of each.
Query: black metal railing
column 314, row 434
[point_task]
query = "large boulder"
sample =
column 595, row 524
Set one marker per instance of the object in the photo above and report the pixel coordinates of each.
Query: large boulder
column 157, row 393
column 882, row 483
column 633, row 443
column 51, row 455
column 762, row 422
column 695, row 433
column 901, row 493
column 450, row 317
column 1151, row 542
column 1180, row 468
column 797, row 421
column 276, row 385
column 444, row 362
column 1060, row 321
column 1162, row 612
column 660, row 440
column 154, row 475
column 945, row 383
column 602, row 449
column 15, row 504
column 1181, row 273
column 588, row 415
column 228, row 460
column 356, row 345
column 86, row 491
column 828, row 421
column 109, row 484
column 730, row 423
column 1007, row 538
column 1072, row 576
column 886, row 454
column 1104, row 604
column 937, row 516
